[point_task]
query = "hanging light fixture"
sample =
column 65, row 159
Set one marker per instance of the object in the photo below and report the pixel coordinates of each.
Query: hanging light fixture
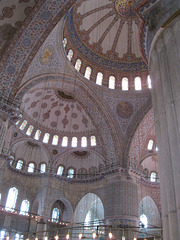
column 67, row 236
column 110, row 235
column 57, row 237
column 94, row 235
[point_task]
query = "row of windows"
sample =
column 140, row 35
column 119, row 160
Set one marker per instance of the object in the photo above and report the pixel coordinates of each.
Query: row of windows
column 55, row 140
column 99, row 77
column 60, row 170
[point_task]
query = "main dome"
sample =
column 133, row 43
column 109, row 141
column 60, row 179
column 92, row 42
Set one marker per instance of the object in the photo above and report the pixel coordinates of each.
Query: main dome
column 107, row 35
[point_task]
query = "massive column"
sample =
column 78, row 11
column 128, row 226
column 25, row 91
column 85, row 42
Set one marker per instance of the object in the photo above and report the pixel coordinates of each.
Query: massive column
column 164, row 65
column 121, row 205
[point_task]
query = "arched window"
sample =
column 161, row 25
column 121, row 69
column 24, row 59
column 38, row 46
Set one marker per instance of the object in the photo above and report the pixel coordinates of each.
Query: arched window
column 143, row 221
column 17, row 122
column 149, row 81
column 150, row 145
column 64, row 42
column 42, row 168
column 65, row 141
column 99, row 78
column 153, row 177
column 70, row 54
column 55, row 140
column 78, row 65
column 70, row 173
column 112, row 82
column 29, row 131
column 60, row 170
column 46, row 138
column 137, row 83
column 23, row 125
column 2, row 234
column 84, row 142
column 31, row 167
column 74, row 142
column 37, row 135
column 125, row 85
column 11, row 199
column 24, row 207
column 93, row 141
column 55, row 215
column 87, row 73
column 19, row 164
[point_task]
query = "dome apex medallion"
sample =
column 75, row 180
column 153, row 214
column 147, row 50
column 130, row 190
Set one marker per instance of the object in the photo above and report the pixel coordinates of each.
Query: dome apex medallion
column 125, row 8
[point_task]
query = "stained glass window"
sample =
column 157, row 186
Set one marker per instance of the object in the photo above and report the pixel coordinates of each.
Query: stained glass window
column 60, row 170
column 70, row 54
column 23, row 125
column 84, row 142
column 153, row 177
column 24, row 207
column 29, row 131
column 31, row 167
column 37, row 135
column 93, row 141
column 55, row 140
column 64, row 42
column 125, row 86
column 55, row 215
column 11, row 199
column 78, row 65
column 46, row 138
column 19, row 164
column 87, row 73
column 149, row 82
column 150, row 145
column 143, row 221
column 65, row 141
column 112, row 82
column 70, row 173
column 99, row 78
column 42, row 168
column 138, row 83
column 74, row 142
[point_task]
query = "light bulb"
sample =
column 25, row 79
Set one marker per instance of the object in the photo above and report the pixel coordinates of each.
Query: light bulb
column 7, row 238
column 80, row 235
column 135, row 238
column 46, row 238
column 56, row 237
column 110, row 235
column 94, row 235
column 123, row 238
column 36, row 238
column 67, row 236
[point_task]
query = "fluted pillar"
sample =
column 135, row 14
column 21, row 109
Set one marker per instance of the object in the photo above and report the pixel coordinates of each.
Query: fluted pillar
column 164, row 65
column 121, row 205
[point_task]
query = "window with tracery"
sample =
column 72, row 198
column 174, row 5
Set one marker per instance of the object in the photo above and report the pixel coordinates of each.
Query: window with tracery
column 87, row 73
column 153, row 177
column 74, row 142
column 99, row 78
column 125, row 84
column 24, row 207
column 46, row 138
column 93, row 141
column 65, row 141
column 84, row 142
column 150, row 145
column 70, row 54
column 60, row 170
column 55, row 140
column 112, row 82
column 78, row 65
column 19, row 164
column 37, row 135
column 137, row 83
column 31, row 167
column 23, row 125
column 42, row 168
column 11, row 199
column 55, row 215
column 29, row 131
column 70, row 173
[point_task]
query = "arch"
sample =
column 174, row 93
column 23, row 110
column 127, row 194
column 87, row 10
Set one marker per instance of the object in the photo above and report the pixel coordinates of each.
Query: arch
column 23, row 125
column 42, row 167
column 37, row 134
column 137, row 83
column 46, row 138
column 24, row 207
column 70, row 54
column 112, row 82
column 148, row 207
column 84, row 142
column 55, row 140
column 35, row 207
column 31, row 167
column 19, row 164
column 99, row 78
column 74, row 142
column 78, row 65
column 60, row 170
column 29, row 130
column 11, row 199
column 125, row 84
